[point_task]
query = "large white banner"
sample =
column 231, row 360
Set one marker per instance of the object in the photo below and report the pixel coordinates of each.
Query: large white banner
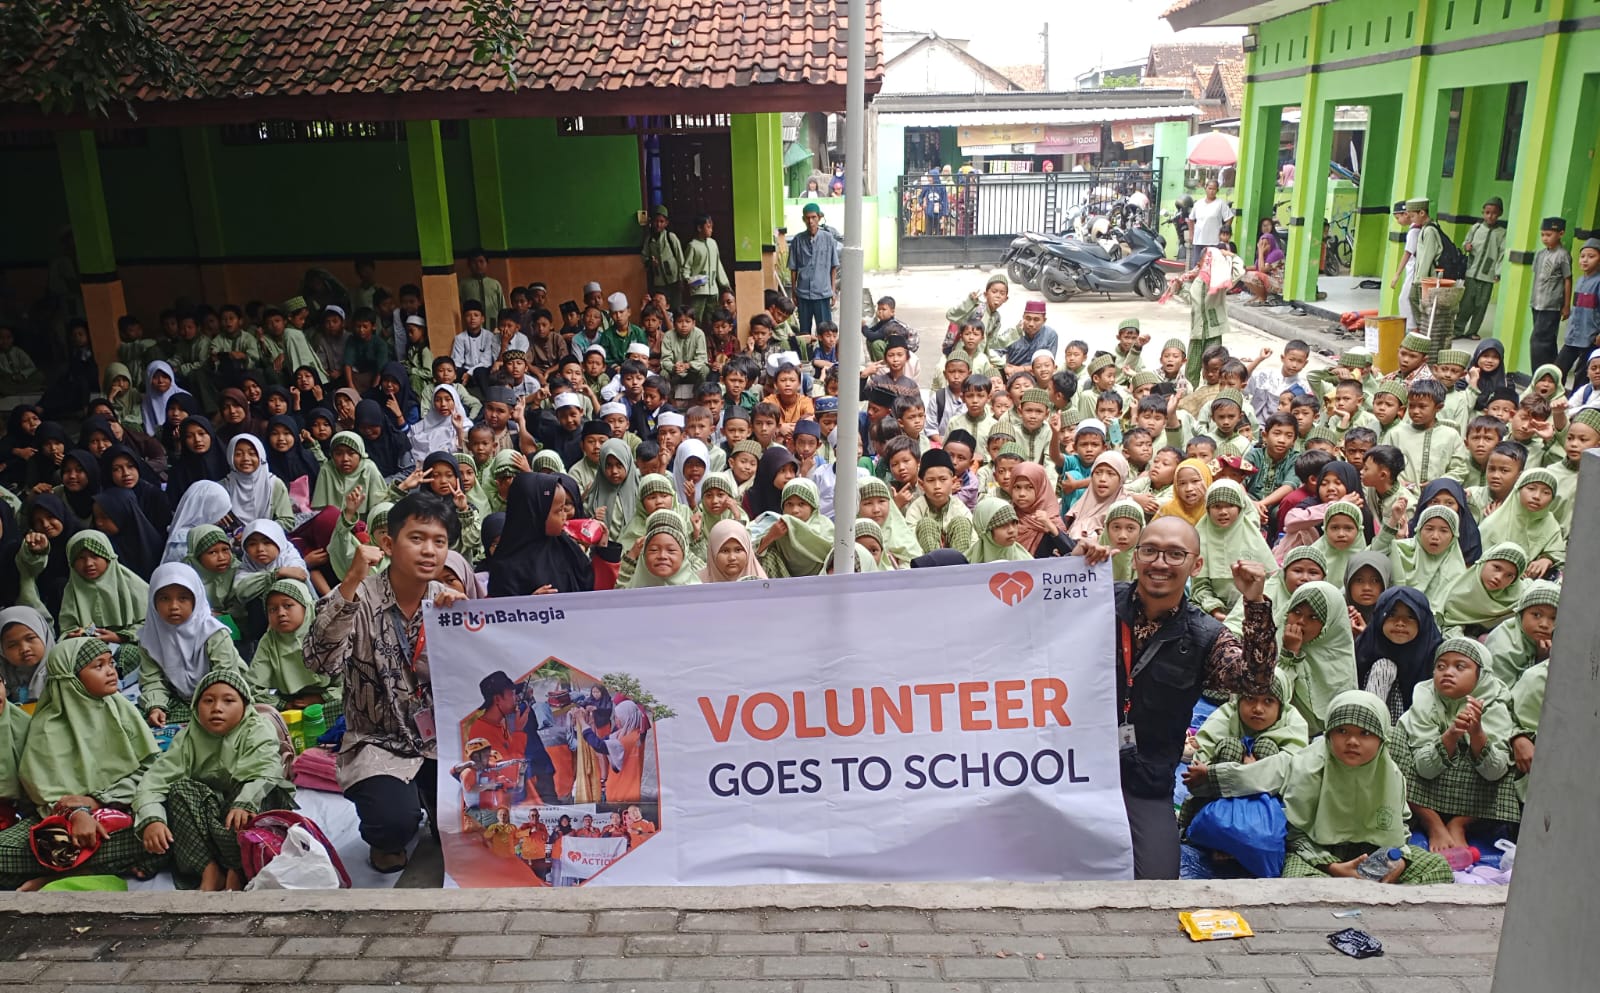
column 936, row 724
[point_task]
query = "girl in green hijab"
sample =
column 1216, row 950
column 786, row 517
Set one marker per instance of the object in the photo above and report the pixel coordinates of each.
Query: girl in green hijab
column 348, row 467
column 13, row 732
column 1527, row 703
column 1344, row 796
column 86, row 748
column 616, row 486
column 1124, row 524
column 665, row 558
column 104, row 599
column 869, row 536
column 994, row 529
column 1487, row 593
column 1431, row 559
column 222, row 769
column 1301, row 565
column 1319, row 650
column 877, row 505
column 719, row 501
column 1528, row 517
column 1523, row 640
column 1229, row 531
column 211, row 557
column 1455, row 746
column 1342, row 537
column 799, row 543
column 278, row 670
column 1254, row 726
column 655, row 493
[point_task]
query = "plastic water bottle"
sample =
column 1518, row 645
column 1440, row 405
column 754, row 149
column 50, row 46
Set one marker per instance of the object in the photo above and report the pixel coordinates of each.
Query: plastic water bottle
column 291, row 719
column 1378, row 865
column 1461, row 857
column 312, row 725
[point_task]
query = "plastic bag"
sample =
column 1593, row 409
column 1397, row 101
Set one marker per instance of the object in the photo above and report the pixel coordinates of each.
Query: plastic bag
column 1250, row 828
column 303, row 864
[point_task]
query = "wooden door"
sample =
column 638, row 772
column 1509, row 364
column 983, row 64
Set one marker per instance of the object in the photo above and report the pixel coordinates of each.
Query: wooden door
column 696, row 175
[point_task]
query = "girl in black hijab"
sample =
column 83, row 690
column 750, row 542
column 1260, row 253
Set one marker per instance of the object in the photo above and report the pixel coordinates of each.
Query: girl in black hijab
column 766, row 489
column 80, row 481
column 44, row 469
column 394, row 387
column 1350, row 476
column 49, row 518
column 493, row 527
column 179, row 409
column 1467, row 535
column 315, row 418
column 20, row 444
column 101, row 430
column 1412, row 658
column 199, row 457
column 536, row 555
column 122, row 468
column 386, row 446
column 286, row 457
column 138, row 544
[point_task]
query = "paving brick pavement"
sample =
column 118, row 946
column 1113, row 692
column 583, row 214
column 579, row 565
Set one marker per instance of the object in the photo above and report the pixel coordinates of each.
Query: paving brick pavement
column 1431, row 948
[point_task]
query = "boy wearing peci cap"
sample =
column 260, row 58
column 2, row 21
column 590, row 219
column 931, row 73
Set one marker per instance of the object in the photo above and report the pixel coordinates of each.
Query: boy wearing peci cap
column 1485, row 247
column 1551, row 298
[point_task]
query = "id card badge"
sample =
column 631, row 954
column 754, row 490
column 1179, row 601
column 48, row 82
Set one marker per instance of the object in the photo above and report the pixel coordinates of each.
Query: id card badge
column 1127, row 737
column 425, row 726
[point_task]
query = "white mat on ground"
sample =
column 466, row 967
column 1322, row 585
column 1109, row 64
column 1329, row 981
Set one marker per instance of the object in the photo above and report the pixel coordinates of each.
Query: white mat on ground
column 337, row 818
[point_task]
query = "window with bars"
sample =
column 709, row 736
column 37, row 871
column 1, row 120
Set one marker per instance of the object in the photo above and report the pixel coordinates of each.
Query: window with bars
column 573, row 127
column 306, row 132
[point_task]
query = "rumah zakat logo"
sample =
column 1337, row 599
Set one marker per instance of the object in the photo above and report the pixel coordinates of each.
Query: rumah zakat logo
column 574, row 856
column 1011, row 588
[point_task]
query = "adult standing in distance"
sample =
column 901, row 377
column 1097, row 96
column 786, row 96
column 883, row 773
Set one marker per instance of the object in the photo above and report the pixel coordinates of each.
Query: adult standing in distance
column 813, row 271
column 1206, row 221
column 370, row 630
column 1167, row 651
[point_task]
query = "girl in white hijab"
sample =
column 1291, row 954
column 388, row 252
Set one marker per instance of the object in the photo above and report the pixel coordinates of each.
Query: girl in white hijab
column 180, row 642
column 443, row 427
column 203, row 503
column 155, row 401
column 256, row 493
column 256, row 572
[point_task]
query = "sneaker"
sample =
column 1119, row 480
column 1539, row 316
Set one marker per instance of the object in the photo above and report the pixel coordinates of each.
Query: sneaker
column 1381, row 679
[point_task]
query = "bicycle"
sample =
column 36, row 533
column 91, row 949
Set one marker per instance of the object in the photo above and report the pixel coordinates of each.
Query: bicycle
column 1339, row 245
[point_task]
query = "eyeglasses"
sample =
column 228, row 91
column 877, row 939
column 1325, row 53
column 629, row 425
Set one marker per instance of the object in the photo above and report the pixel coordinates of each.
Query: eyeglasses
column 1172, row 556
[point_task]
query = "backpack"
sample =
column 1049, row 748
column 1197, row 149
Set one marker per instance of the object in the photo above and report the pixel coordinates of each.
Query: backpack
column 262, row 839
column 1451, row 259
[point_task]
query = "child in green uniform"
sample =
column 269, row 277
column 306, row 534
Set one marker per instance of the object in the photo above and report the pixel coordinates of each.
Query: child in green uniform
column 220, row 770
column 181, row 641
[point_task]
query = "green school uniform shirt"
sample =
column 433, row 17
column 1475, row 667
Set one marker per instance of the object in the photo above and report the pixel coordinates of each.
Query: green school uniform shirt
column 704, row 259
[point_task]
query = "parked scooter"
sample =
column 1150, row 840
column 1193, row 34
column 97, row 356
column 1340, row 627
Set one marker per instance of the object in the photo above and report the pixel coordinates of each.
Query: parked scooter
column 1068, row 267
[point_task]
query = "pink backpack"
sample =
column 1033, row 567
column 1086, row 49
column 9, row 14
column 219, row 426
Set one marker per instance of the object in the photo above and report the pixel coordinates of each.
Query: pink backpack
column 262, row 839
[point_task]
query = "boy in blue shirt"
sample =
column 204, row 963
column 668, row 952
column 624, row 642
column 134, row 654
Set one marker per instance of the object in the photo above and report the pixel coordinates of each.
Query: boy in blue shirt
column 1087, row 444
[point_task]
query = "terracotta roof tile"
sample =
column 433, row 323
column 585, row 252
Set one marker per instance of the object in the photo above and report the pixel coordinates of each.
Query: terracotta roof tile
column 1179, row 58
column 295, row 48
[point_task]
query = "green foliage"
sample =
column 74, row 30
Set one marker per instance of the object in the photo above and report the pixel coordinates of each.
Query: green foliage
column 621, row 682
column 500, row 32
column 101, row 52
column 1117, row 82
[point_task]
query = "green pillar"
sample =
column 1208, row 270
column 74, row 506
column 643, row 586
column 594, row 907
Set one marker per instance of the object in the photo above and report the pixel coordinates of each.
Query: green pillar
column 431, row 202
column 1171, row 151
column 483, row 141
column 1373, row 218
column 1303, row 256
column 775, row 171
column 200, row 170
column 1546, row 184
column 103, row 301
column 1255, row 183
column 748, row 198
column 1483, row 116
column 86, row 201
column 1409, row 180
column 428, row 196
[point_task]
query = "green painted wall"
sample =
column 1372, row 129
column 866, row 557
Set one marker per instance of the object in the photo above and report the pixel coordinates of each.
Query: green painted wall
column 33, row 202
column 578, row 192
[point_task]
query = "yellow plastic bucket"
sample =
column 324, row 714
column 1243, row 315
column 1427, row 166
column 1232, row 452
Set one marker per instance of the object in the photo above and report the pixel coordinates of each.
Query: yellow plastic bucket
column 1383, row 341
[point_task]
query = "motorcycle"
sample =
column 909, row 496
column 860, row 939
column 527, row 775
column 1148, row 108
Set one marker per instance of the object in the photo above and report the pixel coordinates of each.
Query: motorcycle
column 1068, row 267
column 1022, row 258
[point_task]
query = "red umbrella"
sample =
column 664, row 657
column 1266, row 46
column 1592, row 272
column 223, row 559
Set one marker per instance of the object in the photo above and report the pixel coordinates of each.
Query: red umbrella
column 1213, row 149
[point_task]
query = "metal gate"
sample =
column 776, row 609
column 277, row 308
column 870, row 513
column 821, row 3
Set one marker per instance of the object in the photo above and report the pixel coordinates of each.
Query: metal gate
column 971, row 218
